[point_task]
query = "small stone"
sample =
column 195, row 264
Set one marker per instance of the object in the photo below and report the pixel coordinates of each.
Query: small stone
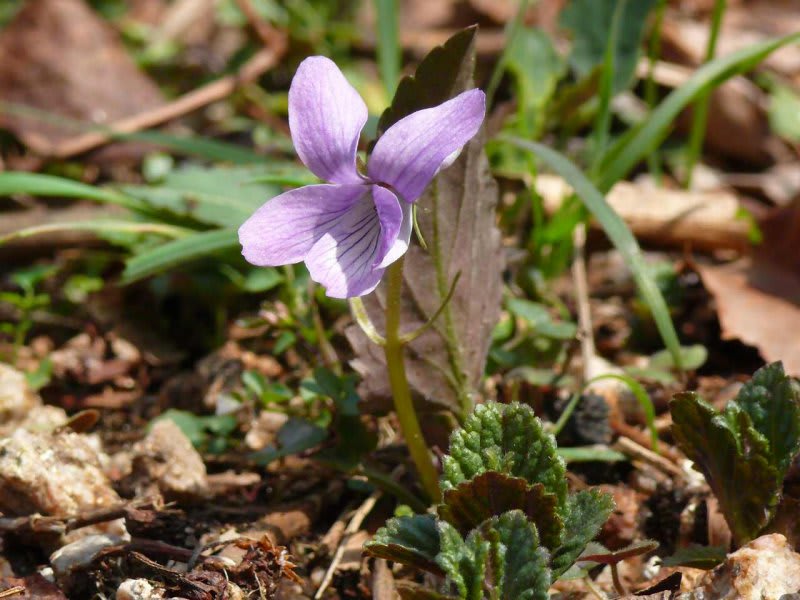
column 264, row 429
column 55, row 474
column 765, row 569
column 167, row 459
column 81, row 553
column 16, row 398
column 139, row 589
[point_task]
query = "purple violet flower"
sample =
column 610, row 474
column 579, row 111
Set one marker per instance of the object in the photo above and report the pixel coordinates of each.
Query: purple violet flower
column 349, row 230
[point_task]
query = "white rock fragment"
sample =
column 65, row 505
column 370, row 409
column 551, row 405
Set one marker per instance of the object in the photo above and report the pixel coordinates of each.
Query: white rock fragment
column 167, row 457
column 16, row 398
column 139, row 589
column 765, row 569
column 264, row 429
column 81, row 553
column 51, row 473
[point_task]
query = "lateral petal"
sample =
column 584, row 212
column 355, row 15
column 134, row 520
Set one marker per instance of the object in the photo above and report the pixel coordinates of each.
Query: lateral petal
column 401, row 242
column 413, row 150
column 285, row 229
column 326, row 116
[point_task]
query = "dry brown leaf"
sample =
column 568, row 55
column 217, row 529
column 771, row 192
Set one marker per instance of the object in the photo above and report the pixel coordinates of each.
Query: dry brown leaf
column 59, row 57
column 758, row 297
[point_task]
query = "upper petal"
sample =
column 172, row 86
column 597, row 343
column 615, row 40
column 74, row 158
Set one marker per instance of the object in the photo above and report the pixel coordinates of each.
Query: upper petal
column 412, row 150
column 344, row 259
column 284, row 229
column 326, row 116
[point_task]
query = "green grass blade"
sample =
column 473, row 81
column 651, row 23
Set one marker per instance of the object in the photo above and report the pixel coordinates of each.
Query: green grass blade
column 389, row 56
column 99, row 226
column 179, row 251
column 640, row 141
column 36, row 184
column 700, row 116
column 617, row 232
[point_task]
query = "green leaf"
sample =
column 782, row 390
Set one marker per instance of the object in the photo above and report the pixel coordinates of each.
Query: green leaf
column 439, row 77
column 412, row 541
column 509, row 439
column 464, row 562
column 222, row 196
column 540, row 320
column 619, row 234
column 101, row 227
column 692, row 358
column 772, row 401
column 537, row 68
column 296, row 435
column 492, row 494
column 784, row 112
column 590, row 22
column 579, row 454
column 37, row 184
column 588, row 510
column 697, row 557
column 518, row 565
column 174, row 253
column 733, row 457
column 636, row 144
column 389, row 51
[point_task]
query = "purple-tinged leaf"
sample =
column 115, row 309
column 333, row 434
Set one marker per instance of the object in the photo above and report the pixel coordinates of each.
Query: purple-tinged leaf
column 457, row 218
column 491, row 494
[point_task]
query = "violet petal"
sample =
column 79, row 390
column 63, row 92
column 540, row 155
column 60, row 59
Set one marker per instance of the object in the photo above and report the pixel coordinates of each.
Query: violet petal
column 412, row 150
column 326, row 116
column 285, row 229
column 343, row 260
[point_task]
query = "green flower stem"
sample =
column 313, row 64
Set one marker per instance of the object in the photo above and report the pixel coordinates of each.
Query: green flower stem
column 401, row 393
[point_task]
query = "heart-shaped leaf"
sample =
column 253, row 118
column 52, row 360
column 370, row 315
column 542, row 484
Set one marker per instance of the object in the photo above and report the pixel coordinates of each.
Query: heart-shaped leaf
column 491, row 494
column 587, row 511
column 772, row 401
column 457, row 219
column 509, row 439
column 734, row 458
column 412, row 541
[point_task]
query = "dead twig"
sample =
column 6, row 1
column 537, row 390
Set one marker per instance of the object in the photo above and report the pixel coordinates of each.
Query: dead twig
column 43, row 525
column 272, row 38
column 352, row 527
column 212, row 92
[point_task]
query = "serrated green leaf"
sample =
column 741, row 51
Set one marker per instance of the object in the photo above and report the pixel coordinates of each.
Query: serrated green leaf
column 772, row 401
column 464, row 562
column 518, row 564
column 437, row 79
column 412, row 541
column 492, row 494
column 509, row 439
column 733, row 457
column 590, row 22
column 588, row 510
column 697, row 557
